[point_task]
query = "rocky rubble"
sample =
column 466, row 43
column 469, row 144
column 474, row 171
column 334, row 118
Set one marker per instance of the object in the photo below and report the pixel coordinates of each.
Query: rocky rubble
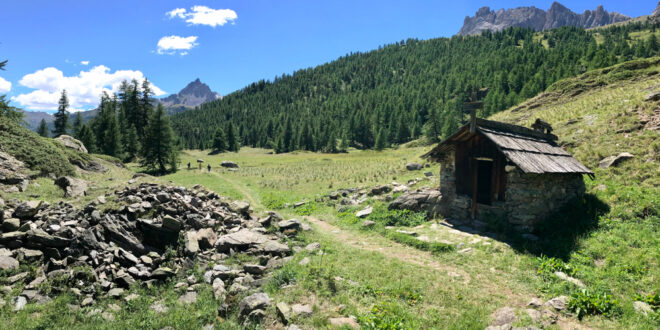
column 155, row 233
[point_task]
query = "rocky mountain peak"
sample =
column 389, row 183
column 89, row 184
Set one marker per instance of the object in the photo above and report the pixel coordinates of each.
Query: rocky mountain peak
column 531, row 17
column 194, row 94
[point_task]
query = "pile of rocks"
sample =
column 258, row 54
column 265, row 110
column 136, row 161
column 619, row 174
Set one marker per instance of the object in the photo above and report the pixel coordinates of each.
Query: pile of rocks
column 155, row 233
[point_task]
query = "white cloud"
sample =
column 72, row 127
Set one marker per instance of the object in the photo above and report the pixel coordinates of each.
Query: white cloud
column 83, row 90
column 180, row 12
column 84, row 62
column 5, row 86
column 173, row 44
column 202, row 15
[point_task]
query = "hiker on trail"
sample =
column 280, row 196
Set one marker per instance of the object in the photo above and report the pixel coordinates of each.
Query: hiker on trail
column 209, row 167
column 189, row 166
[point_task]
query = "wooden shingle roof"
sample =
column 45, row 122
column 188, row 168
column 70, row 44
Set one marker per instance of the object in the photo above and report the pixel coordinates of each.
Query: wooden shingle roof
column 532, row 151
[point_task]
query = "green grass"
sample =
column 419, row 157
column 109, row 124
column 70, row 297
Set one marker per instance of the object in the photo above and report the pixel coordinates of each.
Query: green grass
column 608, row 240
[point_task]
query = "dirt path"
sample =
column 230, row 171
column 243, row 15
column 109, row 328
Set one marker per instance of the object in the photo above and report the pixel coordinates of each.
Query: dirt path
column 240, row 189
column 389, row 248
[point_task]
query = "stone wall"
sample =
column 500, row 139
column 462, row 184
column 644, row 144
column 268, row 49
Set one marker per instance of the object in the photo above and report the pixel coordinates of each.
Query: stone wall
column 529, row 198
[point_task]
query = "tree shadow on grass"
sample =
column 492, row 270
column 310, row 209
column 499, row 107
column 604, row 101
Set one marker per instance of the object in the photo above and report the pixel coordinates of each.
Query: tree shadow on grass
column 560, row 234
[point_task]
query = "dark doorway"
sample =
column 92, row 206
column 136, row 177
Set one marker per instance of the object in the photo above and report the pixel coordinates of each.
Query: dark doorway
column 484, row 181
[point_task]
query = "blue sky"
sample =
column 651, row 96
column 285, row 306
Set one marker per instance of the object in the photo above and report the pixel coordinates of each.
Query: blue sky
column 87, row 46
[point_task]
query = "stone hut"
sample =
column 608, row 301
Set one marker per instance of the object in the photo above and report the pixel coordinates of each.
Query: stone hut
column 495, row 170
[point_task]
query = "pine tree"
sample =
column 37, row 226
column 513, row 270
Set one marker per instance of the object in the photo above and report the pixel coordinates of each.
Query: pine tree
column 146, row 108
column 62, row 116
column 219, row 140
column 232, row 141
column 131, row 143
column 345, row 143
column 112, row 138
column 43, row 128
column 381, row 139
column 77, row 125
column 158, row 149
column 86, row 136
column 331, row 146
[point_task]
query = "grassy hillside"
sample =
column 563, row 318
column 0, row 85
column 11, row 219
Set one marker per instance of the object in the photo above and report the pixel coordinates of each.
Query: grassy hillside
column 39, row 154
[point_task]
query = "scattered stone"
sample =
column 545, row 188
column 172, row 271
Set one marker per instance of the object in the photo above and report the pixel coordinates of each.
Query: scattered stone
column 535, row 303
column 11, row 224
column 229, row 164
column 7, row 263
column 19, row 303
column 313, row 247
column 642, row 307
column 72, row 187
column 558, row 303
column 368, row 223
column 191, row 244
column 305, row 261
column 131, row 297
column 116, row 292
column 27, row 210
column 615, row 160
column 302, row 310
column 344, row 322
column 254, row 269
column 413, row 166
column 240, row 207
column 172, row 224
column 533, row 314
column 653, row 96
column 565, row 277
column 87, row 302
column 283, row 311
column 190, row 297
column 466, row 250
column 159, row 307
column 364, row 212
column 428, row 174
column 502, row 316
column 380, row 190
column 71, row 143
column 289, row 224
column 253, row 302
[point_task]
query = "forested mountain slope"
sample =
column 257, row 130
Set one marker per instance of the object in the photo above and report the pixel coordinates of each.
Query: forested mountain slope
column 402, row 90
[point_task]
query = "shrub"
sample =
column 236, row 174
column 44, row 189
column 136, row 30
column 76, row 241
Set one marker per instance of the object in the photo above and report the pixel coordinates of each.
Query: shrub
column 397, row 217
column 286, row 275
column 306, row 209
column 384, row 315
column 547, row 266
column 433, row 247
column 585, row 303
column 273, row 201
column 652, row 299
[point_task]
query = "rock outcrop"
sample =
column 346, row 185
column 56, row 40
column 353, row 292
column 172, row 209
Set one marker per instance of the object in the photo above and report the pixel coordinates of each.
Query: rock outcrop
column 71, row 143
column 95, row 253
column 537, row 19
column 12, row 174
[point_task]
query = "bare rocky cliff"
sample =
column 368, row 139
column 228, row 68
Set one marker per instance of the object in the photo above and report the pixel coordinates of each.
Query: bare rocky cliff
column 531, row 17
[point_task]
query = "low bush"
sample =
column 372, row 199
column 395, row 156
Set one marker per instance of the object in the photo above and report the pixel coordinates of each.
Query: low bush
column 652, row 299
column 405, row 218
column 585, row 302
column 384, row 315
column 433, row 247
column 547, row 266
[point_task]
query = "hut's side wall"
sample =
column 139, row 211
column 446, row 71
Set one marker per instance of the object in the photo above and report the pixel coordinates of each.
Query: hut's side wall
column 452, row 205
column 530, row 198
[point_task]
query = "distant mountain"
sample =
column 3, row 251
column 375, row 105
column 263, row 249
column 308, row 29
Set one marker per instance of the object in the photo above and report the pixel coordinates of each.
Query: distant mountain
column 531, row 17
column 33, row 118
column 194, row 94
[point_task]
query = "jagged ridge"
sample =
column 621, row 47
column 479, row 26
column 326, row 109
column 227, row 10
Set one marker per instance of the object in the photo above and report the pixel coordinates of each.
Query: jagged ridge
column 531, row 17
